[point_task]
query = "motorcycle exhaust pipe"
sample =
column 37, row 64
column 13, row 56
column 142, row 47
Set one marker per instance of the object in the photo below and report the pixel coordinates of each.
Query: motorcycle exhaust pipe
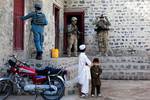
column 33, row 87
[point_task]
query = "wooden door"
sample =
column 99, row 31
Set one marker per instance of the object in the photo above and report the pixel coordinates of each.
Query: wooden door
column 56, row 14
column 18, row 25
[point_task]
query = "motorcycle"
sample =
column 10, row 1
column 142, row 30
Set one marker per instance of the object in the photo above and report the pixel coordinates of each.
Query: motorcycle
column 47, row 82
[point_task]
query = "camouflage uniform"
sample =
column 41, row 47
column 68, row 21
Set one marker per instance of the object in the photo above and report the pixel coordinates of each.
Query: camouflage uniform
column 102, row 41
column 72, row 31
column 102, row 32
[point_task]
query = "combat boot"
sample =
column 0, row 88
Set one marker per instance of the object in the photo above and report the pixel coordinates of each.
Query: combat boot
column 39, row 56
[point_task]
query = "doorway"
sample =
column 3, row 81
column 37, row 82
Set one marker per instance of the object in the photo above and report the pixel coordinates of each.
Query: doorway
column 56, row 16
column 80, row 24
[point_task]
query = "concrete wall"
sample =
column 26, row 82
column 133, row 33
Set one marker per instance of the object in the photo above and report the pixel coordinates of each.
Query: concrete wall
column 129, row 20
column 6, row 29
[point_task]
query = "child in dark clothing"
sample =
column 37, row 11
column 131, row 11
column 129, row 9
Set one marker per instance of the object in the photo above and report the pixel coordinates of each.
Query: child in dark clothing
column 95, row 77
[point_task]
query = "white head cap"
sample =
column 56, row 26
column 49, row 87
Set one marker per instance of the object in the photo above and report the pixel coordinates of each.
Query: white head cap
column 74, row 18
column 82, row 47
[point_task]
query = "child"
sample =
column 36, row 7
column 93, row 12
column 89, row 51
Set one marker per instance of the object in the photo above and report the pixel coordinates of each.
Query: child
column 84, row 74
column 95, row 77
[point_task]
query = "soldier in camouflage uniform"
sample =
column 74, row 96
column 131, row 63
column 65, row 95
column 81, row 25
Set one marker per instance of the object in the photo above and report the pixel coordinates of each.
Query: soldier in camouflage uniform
column 72, row 32
column 102, row 32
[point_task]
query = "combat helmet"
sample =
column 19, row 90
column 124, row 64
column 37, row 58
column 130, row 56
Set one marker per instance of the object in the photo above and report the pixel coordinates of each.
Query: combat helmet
column 74, row 18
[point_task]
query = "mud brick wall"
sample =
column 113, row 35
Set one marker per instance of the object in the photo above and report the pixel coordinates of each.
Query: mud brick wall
column 129, row 19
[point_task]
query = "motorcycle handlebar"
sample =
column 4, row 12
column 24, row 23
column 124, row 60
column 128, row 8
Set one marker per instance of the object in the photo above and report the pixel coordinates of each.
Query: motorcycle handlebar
column 13, row 56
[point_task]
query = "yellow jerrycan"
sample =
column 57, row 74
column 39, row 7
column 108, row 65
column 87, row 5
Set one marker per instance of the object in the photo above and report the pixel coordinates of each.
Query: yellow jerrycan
column 55, row 53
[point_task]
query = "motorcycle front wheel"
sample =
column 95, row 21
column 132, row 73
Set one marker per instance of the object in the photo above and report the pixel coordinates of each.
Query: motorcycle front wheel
column 6, row 89
column 58, row 83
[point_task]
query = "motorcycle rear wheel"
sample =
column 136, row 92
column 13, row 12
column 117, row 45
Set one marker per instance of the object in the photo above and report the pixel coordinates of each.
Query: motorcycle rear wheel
column 60, row 90
column 6, row 89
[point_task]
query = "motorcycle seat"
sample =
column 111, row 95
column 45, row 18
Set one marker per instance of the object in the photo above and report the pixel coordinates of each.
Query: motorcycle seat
column 50, row 70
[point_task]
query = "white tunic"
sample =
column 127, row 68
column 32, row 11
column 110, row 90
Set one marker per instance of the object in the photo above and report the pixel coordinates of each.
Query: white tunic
column 84, row 74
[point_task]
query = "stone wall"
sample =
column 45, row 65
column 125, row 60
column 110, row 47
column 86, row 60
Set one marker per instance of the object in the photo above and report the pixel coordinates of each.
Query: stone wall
column 129, row 19
column 128, row 68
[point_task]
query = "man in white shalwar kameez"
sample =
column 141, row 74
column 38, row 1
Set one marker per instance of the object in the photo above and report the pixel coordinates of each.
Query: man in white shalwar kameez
column 84, row 74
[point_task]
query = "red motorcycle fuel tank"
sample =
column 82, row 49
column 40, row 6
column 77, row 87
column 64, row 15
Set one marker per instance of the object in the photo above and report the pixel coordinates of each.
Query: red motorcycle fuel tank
column 27, row 70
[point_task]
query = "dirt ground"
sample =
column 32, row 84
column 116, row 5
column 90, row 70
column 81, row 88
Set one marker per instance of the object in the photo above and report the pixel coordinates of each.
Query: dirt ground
column 111, row 90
